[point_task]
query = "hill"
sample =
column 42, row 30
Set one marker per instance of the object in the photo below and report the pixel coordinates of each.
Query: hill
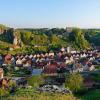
column 48, row 39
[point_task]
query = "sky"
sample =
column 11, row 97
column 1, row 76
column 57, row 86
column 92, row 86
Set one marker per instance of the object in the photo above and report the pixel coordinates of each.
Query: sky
column 50, row 13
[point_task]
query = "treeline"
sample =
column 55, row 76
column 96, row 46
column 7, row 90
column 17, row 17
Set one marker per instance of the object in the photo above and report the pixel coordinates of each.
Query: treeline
column 34, row 40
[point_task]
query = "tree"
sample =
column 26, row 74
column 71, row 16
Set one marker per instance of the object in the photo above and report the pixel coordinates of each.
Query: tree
column 3, row 92
column 38, row 39
column 74, row 81
column 77, row 39
column 55, row 40
column 26, row 36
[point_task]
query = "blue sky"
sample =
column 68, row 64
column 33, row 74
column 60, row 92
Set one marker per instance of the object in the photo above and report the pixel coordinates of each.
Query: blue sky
column 50, row 13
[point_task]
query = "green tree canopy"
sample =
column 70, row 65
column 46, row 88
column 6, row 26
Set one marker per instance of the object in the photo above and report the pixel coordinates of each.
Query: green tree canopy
column 78, row 40
column 26, row 36
column 38, row 39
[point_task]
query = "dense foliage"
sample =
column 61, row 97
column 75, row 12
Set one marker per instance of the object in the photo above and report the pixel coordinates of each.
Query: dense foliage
column 74, row 82
column 34, row 40
column 78, row 40
column 91, row 95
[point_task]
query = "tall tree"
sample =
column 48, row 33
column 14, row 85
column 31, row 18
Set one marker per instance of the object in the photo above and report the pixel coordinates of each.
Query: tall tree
column 77, row 38
column 26, row 36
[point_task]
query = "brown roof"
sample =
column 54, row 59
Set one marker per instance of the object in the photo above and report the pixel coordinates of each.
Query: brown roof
column 50, row 69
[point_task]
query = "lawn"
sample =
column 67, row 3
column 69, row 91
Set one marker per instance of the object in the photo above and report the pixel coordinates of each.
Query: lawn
column 92, row 95
column 96, row 77
column 31, row 94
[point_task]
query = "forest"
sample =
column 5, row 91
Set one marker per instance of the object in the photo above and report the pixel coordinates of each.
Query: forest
column 45, row 39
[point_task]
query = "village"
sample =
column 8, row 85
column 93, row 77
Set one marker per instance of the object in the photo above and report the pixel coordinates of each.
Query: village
column 50, row 50
column 55, row 65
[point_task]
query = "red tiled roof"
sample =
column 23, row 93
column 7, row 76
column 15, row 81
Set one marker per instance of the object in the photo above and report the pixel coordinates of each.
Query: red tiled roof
column 50, row 69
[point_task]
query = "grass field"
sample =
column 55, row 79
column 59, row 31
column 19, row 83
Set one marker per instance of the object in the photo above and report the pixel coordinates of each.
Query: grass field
column 92, row 95
column 30, row 94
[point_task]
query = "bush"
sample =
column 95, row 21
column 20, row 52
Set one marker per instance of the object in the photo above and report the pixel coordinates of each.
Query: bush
column 74, row 82
column 35, row 80
column 3, row 92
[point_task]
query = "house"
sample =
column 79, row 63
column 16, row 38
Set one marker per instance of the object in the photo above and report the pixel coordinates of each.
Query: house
column 51, row 69
column 19, row 62
column 51, row 53
column 68, row 60
column 27, row 63
column 91, row 67
column 62, row 49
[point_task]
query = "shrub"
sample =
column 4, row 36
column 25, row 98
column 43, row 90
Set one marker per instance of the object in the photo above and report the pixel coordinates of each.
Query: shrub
column 35, row 80
column 74, row 82
column 3, row 92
